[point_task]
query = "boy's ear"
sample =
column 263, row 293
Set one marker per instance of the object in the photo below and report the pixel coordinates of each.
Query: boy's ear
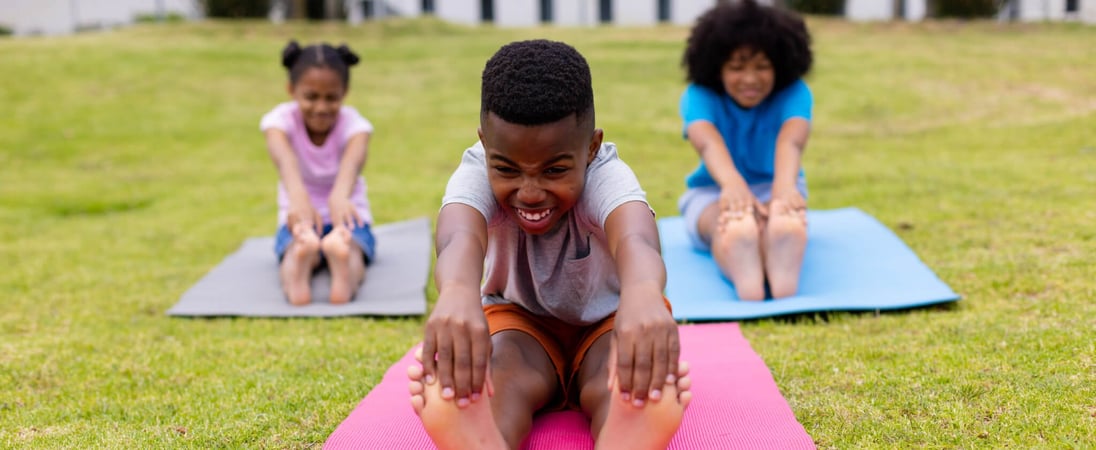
column 479, row 132
column 595, row 145
column 289, row 88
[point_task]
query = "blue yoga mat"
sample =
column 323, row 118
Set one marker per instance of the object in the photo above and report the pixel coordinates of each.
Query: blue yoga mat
column 852, row 263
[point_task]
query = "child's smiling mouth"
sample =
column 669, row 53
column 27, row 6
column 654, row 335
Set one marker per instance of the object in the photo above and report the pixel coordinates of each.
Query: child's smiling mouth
column 533, row 216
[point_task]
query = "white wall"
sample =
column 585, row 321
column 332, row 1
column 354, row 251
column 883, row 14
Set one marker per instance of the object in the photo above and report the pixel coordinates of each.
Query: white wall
column 26, row 17
column 460, row 11
column 517, row 13
column 915, row 10
column 869, row 10
column 685, row 12
column 1039, row 10
column 405, row 8
column 575, row 12
column 635, row 12
column 1088, row 11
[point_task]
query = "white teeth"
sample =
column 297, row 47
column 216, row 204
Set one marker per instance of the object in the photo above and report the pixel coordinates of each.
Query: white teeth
column 533, row 216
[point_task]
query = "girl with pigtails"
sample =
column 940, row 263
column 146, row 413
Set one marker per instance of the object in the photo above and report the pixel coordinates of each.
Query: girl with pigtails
column 319, row 146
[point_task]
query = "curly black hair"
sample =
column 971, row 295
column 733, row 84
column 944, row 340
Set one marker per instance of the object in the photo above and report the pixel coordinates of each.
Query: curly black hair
column 537, row 82
column 780, row 34
column 296, row 59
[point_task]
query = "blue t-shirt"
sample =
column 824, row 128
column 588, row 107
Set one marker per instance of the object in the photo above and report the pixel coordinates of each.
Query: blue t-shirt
column 750, row 134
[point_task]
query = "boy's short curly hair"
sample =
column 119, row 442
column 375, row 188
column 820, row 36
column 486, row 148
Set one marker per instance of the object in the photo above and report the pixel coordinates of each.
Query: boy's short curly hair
column 780, row 34
column 537, row 82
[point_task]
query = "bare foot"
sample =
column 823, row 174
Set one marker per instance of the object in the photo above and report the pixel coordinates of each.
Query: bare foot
column 736, row 248
column 651, row 426
column 345, row 263
column 452, row 427
column 300, row 258
column 785, row 243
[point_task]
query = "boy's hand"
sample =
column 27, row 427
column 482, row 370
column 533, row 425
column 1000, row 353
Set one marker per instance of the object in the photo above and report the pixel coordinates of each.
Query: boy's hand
column 645, row 349
column 787, row 201
column 344, row 213
column 738, row 201
column 457, row 345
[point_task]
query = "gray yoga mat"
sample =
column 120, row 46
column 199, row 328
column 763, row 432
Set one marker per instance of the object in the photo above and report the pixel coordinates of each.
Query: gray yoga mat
column 246, row 283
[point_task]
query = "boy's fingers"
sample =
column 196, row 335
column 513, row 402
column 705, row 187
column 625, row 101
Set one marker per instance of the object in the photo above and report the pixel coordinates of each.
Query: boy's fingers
column 427, row 356
column 481, row 353
column 641, row 371
column 660, row 352
column 624, row 363
column 674, row 355
column 462, row 367
column 445, row 363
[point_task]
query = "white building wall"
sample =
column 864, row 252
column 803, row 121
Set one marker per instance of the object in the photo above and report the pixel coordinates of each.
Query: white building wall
column 1039, row 10
column 915, row 10
column 869, row 10
column 404, row 8
column 460, row 11
column 685, row 12
column 1088, row 11
column 27, row 17
column 576, row 12
column 517, row 13
column 635, row 12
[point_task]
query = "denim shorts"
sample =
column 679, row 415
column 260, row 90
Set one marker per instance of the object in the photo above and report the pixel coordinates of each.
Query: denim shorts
column 693, row 202
column 363, row 236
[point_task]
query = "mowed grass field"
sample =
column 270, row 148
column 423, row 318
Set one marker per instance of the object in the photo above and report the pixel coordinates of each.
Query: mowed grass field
column 131, row 163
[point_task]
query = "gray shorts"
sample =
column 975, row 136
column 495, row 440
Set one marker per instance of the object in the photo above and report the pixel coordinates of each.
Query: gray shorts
column 693, row 202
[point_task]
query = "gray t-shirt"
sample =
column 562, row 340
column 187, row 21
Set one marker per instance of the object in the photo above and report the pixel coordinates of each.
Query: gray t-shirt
column 567, row 273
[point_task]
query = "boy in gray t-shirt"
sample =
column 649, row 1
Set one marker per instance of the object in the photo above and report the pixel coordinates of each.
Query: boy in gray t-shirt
column 570, row 312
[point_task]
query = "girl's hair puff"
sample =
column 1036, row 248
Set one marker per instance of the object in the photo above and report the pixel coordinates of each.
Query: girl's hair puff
column 778, row 33
column 296, row 60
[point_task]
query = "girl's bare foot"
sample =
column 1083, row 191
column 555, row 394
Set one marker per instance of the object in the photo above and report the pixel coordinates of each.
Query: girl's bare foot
column 651, row 426
column 345, row 263
column 296, row 270
column 452, row 427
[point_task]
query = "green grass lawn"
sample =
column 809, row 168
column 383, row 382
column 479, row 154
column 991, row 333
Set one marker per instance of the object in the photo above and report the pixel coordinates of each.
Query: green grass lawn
column 131, row 163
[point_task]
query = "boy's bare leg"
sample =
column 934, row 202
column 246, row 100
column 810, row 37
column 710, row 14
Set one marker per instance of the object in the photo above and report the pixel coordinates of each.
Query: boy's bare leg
column 618, row 424
column 344, row 260
column 523, row 380
column 736, row 248
column 785, row 241
column 300, row 259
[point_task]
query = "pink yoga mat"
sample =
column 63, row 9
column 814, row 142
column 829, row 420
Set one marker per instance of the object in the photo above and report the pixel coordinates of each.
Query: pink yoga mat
column 736, row 404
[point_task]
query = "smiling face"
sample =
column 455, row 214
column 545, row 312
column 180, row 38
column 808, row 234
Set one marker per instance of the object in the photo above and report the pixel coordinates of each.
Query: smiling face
column 538, row 172
column 748, row 76
column 319, row 91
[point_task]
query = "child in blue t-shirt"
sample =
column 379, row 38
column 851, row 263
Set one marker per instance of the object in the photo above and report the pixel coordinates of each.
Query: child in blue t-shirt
column 747, row 114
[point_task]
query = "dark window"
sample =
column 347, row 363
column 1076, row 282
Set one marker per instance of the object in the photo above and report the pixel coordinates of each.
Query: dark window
column 487, row 11
column 1071, row 6
column 605, row 11
column 427, row 6
column 545, row 11
column 664, row 10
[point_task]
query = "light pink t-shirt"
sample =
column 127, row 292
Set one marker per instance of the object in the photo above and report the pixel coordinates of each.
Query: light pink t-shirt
column 319, row 163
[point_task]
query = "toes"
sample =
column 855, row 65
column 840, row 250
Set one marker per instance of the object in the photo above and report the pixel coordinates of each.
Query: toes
column 414, row 372
column 418, row 403
column 684, row 398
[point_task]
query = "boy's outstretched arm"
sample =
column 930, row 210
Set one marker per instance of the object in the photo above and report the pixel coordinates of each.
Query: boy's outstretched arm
column 645, row 334
column 457, row 345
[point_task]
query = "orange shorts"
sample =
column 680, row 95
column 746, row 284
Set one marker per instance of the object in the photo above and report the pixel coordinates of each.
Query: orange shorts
column 565, row 344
